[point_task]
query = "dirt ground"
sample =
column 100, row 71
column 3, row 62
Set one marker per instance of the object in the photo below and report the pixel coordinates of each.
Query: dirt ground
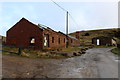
column 96, row 63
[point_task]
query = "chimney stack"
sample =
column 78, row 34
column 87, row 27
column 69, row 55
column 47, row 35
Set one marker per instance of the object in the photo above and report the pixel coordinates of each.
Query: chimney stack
column 77, row 34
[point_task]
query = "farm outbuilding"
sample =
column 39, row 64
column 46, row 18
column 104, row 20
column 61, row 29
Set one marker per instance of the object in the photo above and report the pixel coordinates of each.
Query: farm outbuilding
column 72, row 41
column 26, row 34
column 52, row 39
column 103, row 41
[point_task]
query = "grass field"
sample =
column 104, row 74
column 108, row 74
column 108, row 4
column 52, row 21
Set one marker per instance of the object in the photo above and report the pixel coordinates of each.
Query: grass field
column 116, row 51
column 86, row 36
column 31, row 53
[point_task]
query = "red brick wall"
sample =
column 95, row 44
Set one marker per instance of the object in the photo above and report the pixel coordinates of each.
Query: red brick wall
column 102, row 40
column 62, row 42
column 73, row 42
column 19, row 35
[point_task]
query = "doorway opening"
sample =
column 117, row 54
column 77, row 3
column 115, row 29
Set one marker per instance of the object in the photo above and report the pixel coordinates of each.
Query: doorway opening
column 98, row 42
column 46, row 40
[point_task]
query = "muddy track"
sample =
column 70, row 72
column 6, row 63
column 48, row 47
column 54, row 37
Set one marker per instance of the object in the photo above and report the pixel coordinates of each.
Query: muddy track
column 89, row 65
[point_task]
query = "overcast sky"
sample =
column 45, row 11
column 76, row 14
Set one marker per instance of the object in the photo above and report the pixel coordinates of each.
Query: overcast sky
column 87, row 15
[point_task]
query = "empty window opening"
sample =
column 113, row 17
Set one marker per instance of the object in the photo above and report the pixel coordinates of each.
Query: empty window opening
column 64, row 40
column 71, row 40
column 52, row 39
column 32, row 41
column 46, row 40
column 59, row 40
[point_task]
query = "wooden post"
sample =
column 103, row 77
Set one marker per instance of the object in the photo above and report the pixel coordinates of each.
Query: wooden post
column 19, row 51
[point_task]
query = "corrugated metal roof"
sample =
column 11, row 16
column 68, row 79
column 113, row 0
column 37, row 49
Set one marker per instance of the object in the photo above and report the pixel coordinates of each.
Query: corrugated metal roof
column 45, row 27
column 72, row 37
column 42, row 26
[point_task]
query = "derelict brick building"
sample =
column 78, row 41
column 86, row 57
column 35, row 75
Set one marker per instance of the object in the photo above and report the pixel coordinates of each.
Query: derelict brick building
column 53, row 39
column 103, row 41
column 23, row 32
column 26, row 34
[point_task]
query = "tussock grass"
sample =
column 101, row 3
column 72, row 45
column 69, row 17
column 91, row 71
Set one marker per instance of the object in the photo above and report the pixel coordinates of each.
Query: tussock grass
column 57, row 54
column 11, row 49
column 69, row 49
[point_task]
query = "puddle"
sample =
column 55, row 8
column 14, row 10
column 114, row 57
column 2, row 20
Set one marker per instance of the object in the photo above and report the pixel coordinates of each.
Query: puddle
column 70, row 59
column 77, row 70
column 116, row 60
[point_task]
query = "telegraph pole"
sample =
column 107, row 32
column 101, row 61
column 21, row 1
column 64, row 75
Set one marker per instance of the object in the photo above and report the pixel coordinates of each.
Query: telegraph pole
column 67, row 29
column 66, row 21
